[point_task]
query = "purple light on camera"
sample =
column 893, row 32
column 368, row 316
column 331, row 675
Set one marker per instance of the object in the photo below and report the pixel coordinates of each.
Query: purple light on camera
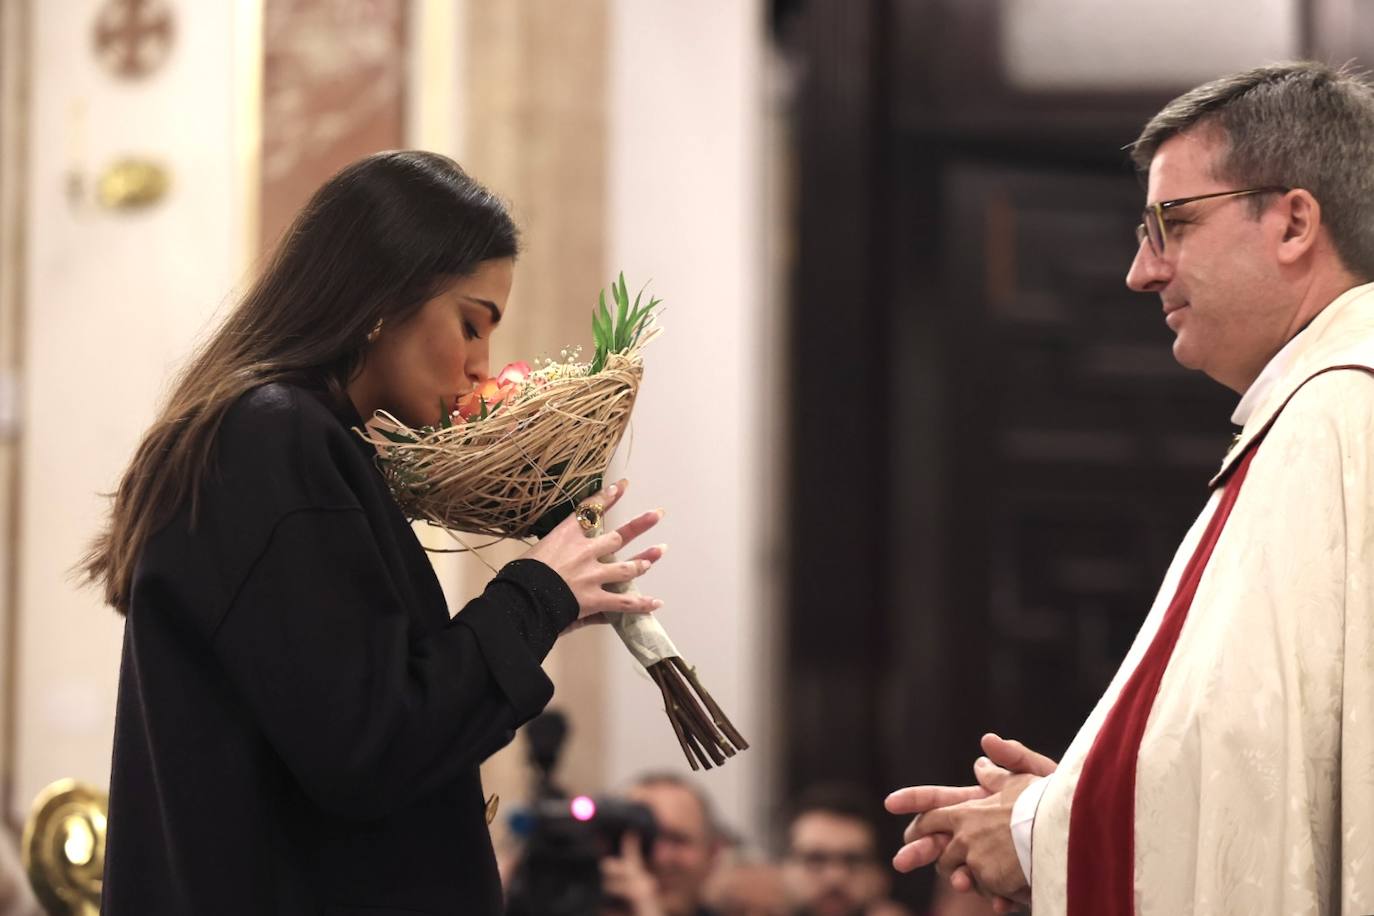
column 583, row 808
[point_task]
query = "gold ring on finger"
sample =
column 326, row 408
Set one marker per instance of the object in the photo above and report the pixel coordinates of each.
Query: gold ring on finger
column 589, row 515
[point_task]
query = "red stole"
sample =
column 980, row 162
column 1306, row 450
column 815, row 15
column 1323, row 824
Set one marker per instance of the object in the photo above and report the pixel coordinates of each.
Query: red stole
column 1102, row 819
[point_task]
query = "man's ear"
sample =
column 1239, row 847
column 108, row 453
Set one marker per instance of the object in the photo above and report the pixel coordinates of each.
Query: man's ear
column 1302, row 216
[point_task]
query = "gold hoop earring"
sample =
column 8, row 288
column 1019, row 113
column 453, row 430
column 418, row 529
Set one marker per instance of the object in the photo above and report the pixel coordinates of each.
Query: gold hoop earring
column 376, row 332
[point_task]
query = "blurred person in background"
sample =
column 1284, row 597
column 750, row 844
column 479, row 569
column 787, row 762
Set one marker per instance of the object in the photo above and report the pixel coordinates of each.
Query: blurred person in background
column 748, row 888
column 832, row 866
column 686, row 850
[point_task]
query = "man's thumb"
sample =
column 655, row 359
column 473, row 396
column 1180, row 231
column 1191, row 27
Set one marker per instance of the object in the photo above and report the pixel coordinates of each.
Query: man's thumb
column 1016, row 757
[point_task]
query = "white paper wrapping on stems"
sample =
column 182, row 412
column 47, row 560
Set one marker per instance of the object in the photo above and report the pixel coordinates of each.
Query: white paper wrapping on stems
column 644, row 636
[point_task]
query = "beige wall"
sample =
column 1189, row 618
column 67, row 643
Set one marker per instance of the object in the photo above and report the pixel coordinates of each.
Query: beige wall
column 686, row 211
column 113, row 303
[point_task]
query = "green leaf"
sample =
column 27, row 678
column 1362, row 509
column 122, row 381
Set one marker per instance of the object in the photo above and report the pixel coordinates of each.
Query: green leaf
column 598, row 329
column 605, row 337
column 638, row 316
column 605, row 314
column 622, row 343
column 617, row 331
column 638, row 320
column 445, row 421
column 398, row 438
column 622, row 302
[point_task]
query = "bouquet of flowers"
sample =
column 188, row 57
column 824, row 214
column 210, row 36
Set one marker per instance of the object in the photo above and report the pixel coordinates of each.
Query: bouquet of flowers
column 519, row 455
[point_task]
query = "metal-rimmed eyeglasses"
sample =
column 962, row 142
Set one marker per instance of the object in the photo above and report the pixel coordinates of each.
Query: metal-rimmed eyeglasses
column 1152, row 219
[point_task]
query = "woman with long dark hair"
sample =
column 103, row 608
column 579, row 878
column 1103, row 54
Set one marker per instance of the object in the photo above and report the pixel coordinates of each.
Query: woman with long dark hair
column 300, row 722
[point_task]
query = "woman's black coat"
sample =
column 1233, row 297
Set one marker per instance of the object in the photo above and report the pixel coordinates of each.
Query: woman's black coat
column 299, row 722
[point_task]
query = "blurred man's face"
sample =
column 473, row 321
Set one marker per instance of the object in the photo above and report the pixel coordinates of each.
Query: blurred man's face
column 832, row 868
column 685, row 851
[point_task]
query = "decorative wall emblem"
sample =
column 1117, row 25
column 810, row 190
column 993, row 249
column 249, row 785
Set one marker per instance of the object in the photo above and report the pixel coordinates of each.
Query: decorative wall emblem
column 133, row 38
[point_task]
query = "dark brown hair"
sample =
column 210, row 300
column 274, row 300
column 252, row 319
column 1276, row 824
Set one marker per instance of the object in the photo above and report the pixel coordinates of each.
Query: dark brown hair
column 839, row 799
column 374, row 243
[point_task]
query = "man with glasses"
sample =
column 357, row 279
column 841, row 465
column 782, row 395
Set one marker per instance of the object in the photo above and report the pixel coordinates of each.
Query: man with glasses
column 832, row 866
column 1229, row 767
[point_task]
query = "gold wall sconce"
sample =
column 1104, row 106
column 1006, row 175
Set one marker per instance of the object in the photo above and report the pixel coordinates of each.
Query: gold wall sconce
column 132, row 184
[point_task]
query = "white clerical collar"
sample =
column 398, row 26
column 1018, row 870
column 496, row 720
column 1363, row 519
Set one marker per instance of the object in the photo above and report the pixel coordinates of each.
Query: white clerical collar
column 1259, row 389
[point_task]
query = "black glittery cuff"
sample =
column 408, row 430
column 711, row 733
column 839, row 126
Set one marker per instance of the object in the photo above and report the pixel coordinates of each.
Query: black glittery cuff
column 537, row 602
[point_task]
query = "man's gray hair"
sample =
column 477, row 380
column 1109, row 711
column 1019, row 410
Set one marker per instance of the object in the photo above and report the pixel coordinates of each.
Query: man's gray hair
column 1296, row 125
column 714, row 828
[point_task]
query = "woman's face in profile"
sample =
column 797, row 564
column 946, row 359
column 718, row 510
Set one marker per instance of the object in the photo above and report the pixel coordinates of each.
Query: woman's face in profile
column 419, row 369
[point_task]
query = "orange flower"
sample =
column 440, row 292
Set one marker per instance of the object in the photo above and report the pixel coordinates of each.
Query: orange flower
column 492, row 393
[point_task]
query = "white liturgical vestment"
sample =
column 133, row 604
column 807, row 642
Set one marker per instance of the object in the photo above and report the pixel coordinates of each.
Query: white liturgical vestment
column 1229, row 767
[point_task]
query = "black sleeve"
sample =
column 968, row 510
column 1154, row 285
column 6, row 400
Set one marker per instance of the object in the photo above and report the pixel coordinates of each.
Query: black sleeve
column 367, row 716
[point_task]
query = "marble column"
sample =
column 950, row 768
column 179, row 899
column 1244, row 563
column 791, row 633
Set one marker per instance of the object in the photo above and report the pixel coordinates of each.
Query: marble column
column 333, row 81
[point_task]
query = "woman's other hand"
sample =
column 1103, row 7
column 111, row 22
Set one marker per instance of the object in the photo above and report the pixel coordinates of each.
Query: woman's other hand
column 577, row 559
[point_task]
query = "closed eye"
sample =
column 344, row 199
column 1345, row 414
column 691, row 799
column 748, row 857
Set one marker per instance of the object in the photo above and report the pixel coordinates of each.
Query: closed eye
column 487, row 310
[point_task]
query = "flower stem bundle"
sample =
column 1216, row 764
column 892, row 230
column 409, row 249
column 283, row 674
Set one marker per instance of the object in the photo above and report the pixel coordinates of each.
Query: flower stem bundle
column 521, row 452
column 705, row 733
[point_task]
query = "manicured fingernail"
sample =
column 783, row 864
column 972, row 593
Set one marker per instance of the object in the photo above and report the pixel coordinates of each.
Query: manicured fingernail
column 656, row 604
column 982, row 762
column 662, row 549
column 612, row 490
column 661, row 511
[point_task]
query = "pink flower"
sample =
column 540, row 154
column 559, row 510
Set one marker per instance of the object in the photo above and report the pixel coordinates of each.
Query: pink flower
column 515, row 373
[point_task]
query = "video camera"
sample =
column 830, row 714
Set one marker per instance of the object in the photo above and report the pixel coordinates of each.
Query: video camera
column 566, row 838
column 560, row 872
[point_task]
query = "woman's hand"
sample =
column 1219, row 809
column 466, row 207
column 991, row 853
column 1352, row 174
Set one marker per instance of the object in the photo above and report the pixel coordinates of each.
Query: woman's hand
column 577, row 558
